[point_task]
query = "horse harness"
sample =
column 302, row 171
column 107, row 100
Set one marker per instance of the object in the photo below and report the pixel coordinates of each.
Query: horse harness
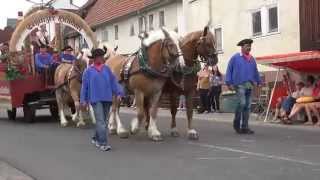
column 69, row 77
column 142, row 57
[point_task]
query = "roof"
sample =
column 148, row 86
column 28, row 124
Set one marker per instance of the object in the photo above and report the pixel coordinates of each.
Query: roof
column 106, row 10
column 307, row 62
column 5, row 34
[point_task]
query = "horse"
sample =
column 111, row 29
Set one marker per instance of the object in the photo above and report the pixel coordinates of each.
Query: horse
column 198, row 46
column 67, row 79
column 145, row 74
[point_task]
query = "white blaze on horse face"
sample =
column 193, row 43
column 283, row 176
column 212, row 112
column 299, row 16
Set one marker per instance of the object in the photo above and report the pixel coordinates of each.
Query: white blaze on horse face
column 175, row 37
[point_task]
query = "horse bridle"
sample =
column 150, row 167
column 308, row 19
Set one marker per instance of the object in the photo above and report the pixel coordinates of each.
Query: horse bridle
column 203, row 58
column 78, row 73
column 164, row 44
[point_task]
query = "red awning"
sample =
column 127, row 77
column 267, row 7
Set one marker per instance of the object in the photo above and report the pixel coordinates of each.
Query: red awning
column 308, row 62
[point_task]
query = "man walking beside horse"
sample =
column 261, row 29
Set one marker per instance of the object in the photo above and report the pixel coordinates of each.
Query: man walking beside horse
column 98, row 87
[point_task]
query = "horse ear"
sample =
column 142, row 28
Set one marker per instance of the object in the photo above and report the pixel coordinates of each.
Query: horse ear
column 105, row 49
column 166, row 32
column 205, row 31
column 116, row 48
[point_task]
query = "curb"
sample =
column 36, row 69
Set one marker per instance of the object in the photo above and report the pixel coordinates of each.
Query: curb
column 225, row 118
column 7, row 172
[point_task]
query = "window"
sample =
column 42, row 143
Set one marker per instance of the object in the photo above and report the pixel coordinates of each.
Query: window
column 151, row 22
column 132, row 33
column 116, row 32
column 256, row 23
column 105, row 35
column 141, row 26
column 218, row 37
column 273, row 19
column 161, row 19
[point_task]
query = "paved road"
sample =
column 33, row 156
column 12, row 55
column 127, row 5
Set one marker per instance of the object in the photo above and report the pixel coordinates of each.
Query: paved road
column 48, row 152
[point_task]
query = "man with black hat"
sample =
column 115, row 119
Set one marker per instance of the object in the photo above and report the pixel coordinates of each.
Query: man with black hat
column 67, row 56
column 242, row 74
column 43, row 59
column 98, row 87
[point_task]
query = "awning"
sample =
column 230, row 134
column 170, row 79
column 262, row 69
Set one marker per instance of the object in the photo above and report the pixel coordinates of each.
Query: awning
column 308, row 62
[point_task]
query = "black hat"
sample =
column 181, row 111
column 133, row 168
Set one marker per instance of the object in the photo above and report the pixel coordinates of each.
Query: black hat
column 67, row 48
column 97, row 53
column 245, row 41
column 43, row 46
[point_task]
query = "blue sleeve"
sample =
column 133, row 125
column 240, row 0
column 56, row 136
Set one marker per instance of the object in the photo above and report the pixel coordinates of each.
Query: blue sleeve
column 117, row 89
column 84, row 94
column 229, row 73
column 257, row 75
column 38, row 62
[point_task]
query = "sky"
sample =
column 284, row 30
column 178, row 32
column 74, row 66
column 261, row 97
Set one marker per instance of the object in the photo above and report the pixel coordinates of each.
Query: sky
column 10, row 8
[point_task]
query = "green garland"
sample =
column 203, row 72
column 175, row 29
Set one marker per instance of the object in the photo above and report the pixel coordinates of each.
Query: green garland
column 193, row 70
column 13, row 73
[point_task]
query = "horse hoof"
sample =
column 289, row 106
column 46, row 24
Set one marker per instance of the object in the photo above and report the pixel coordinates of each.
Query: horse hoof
column 156, row 138
column 193, row 135
column 64, row 124
column 80, row 125
column 175, row 134
column 113, row 131
column 123, row 135
column 135, row 131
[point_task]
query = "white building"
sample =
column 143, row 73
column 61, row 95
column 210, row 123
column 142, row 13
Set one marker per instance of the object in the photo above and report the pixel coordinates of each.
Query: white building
column 119, row 23
column 272, row 24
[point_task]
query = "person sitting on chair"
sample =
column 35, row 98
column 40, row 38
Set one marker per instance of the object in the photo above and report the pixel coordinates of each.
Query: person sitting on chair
column 306, row 91
column 43, row 59
column 67, row 56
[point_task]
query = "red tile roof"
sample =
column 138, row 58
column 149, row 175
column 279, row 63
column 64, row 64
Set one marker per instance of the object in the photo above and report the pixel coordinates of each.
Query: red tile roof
column 106, row 10
column 5, row 34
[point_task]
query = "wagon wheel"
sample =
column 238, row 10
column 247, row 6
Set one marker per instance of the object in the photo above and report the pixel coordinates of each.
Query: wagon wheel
column 12, row 114
column 29, row 113
column 54, row 111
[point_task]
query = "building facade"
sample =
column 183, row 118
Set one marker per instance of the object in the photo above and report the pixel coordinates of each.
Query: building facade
column 272, row 24
column 119, row 23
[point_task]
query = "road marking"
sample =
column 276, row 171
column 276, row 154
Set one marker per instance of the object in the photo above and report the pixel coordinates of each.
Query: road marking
column 223, row 158
column 247, row 140
column 311, row 145
column 255, row 154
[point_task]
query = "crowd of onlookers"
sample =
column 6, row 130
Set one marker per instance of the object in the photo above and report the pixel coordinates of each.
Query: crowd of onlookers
column 303, row 101
column 209, row 87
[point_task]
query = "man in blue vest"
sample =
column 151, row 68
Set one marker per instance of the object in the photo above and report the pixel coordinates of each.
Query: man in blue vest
column 67, row 56
column 242, row 74
column 43, row 60
column 99, row 84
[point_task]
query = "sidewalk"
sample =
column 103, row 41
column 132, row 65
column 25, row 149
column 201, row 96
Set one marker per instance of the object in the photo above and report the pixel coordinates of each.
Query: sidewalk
column 223, row 117
column 8, row 172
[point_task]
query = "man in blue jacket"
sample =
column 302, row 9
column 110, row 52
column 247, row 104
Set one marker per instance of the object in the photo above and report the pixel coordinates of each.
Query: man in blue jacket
column 43, row 59
column 67, row 56
column 242, row 74
column 98, row 87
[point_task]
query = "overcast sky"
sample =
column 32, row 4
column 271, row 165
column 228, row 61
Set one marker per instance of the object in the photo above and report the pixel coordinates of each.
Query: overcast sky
column 10, row 8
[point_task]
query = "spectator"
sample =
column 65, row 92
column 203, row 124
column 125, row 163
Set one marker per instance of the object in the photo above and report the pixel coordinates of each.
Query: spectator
column 289, row 102
column 216, row 89
column 305, row 92
column 242, row 74
column 203, row 88
column 182, row 102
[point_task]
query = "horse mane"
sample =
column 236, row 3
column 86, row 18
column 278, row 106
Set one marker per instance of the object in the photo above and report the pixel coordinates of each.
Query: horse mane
column 190, row 37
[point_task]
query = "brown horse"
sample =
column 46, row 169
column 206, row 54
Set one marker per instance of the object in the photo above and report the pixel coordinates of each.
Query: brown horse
column 67, row 80
column 145, row 74
column 193, row 45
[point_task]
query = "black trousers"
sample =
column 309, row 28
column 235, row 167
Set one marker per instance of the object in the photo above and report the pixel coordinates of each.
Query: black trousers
column 215, row 92
column 204, row 99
